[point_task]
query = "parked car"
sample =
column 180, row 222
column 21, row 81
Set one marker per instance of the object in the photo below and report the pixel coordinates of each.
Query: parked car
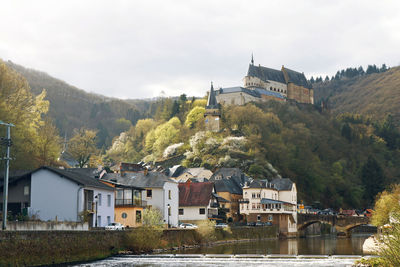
column 115, row 226
column 221, row 225
column 187, row 226
column 251, row 224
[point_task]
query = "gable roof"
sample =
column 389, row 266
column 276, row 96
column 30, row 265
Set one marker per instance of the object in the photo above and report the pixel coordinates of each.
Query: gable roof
column 13, row 175
column 258, row 184
column 78, row 178
column 150, row 180
column 68, row 158
column 266, row 74
column 197, row 171
column 176, row 170
column 283, row 184
column 195, row 194
column 92, row 172
column 229, row 180
column 256, row 92
column 296, row 78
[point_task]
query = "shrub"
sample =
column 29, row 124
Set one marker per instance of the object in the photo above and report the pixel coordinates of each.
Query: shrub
column 144, row 238
column 207, row 230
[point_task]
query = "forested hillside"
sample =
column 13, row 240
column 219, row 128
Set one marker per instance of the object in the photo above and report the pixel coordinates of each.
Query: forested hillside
column 373, row 94
column 72, row 108
column 342, row 159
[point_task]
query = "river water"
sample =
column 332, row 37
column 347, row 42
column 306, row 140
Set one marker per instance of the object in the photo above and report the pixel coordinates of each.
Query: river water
column 310, row 251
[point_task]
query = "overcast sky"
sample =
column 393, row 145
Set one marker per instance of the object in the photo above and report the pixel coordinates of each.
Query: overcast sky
column 137, row 49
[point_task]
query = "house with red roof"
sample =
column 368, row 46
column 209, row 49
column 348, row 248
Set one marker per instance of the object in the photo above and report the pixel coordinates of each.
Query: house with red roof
column 197, row 201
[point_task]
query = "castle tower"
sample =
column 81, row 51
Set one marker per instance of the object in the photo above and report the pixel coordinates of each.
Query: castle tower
column 212, row 115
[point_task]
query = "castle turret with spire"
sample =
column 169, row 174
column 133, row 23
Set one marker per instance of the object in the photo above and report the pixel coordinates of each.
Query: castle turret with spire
column 213, row 114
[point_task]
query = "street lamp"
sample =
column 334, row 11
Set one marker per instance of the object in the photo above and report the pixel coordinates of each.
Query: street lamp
column 7, row 142
column 95, row 200
column 169, row 213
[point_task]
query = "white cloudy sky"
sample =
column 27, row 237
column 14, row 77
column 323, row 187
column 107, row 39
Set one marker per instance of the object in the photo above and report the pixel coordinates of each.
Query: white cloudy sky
column 136, row 49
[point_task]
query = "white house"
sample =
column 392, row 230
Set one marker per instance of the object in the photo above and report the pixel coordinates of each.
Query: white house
column 197, row 202
column 274, row 202
column 61, row 195
column 160, row 192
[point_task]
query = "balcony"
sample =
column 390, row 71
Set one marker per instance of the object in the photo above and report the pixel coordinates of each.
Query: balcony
column 130, row 203
column 244, row 200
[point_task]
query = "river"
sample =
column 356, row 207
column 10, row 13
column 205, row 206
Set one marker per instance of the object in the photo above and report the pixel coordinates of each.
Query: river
column 310, row 251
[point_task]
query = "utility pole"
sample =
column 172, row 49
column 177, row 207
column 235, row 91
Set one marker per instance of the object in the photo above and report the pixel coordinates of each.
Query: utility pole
column 7, row 142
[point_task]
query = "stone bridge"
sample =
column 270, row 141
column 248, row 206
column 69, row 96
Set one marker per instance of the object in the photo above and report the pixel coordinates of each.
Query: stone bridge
column 343, row 224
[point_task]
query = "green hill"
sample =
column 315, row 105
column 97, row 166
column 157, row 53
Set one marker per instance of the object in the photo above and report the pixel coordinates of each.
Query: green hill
column 375, row 95
column 72, row 108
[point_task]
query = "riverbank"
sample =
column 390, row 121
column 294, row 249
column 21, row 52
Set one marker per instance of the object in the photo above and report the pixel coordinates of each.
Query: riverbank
column 35, row 248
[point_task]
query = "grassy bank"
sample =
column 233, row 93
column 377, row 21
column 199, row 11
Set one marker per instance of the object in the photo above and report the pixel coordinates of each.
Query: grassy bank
column 56, row 247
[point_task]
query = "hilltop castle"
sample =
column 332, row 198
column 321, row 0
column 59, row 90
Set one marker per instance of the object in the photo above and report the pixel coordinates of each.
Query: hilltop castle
column 260, row 84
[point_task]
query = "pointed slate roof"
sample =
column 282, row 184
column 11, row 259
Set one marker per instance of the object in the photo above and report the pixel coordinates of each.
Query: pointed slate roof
column 266, row 74
column 212, row 101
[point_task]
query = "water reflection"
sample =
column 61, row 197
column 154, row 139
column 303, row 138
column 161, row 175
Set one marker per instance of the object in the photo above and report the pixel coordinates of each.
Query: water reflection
column 325, row 245
column 259, row 253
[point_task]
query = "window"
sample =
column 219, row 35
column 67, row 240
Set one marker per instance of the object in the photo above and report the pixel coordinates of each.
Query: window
column 258, row 218
column 258, row 195
column 223, row 206
column 202, row 211
column 169, row 194
column 253, row 206
column 138, row 216
column 99, row 199
column 253, row 195
column 180, row 211
column 108, row 220
column 149, row 193
column 169, row 210
column 108, row 200
column 99, row 221
column 26, row 190
column 124, row 215
column 270, row 217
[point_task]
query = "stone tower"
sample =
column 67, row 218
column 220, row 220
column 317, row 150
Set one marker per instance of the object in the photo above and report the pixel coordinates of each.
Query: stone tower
column 213, row 114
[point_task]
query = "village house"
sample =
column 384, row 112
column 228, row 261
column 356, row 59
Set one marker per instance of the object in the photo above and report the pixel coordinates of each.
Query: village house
column 274, row 202
column 160, row 192
column 197, row 202
column 228, row 185
column 129, row 204
column 59, row 195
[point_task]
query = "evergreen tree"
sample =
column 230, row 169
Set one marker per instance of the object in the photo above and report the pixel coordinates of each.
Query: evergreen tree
column 360, row 71
column 383, row 68
column 373, row 179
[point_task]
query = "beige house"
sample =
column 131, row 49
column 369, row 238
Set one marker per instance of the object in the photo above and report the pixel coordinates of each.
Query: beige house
column 274, row 202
